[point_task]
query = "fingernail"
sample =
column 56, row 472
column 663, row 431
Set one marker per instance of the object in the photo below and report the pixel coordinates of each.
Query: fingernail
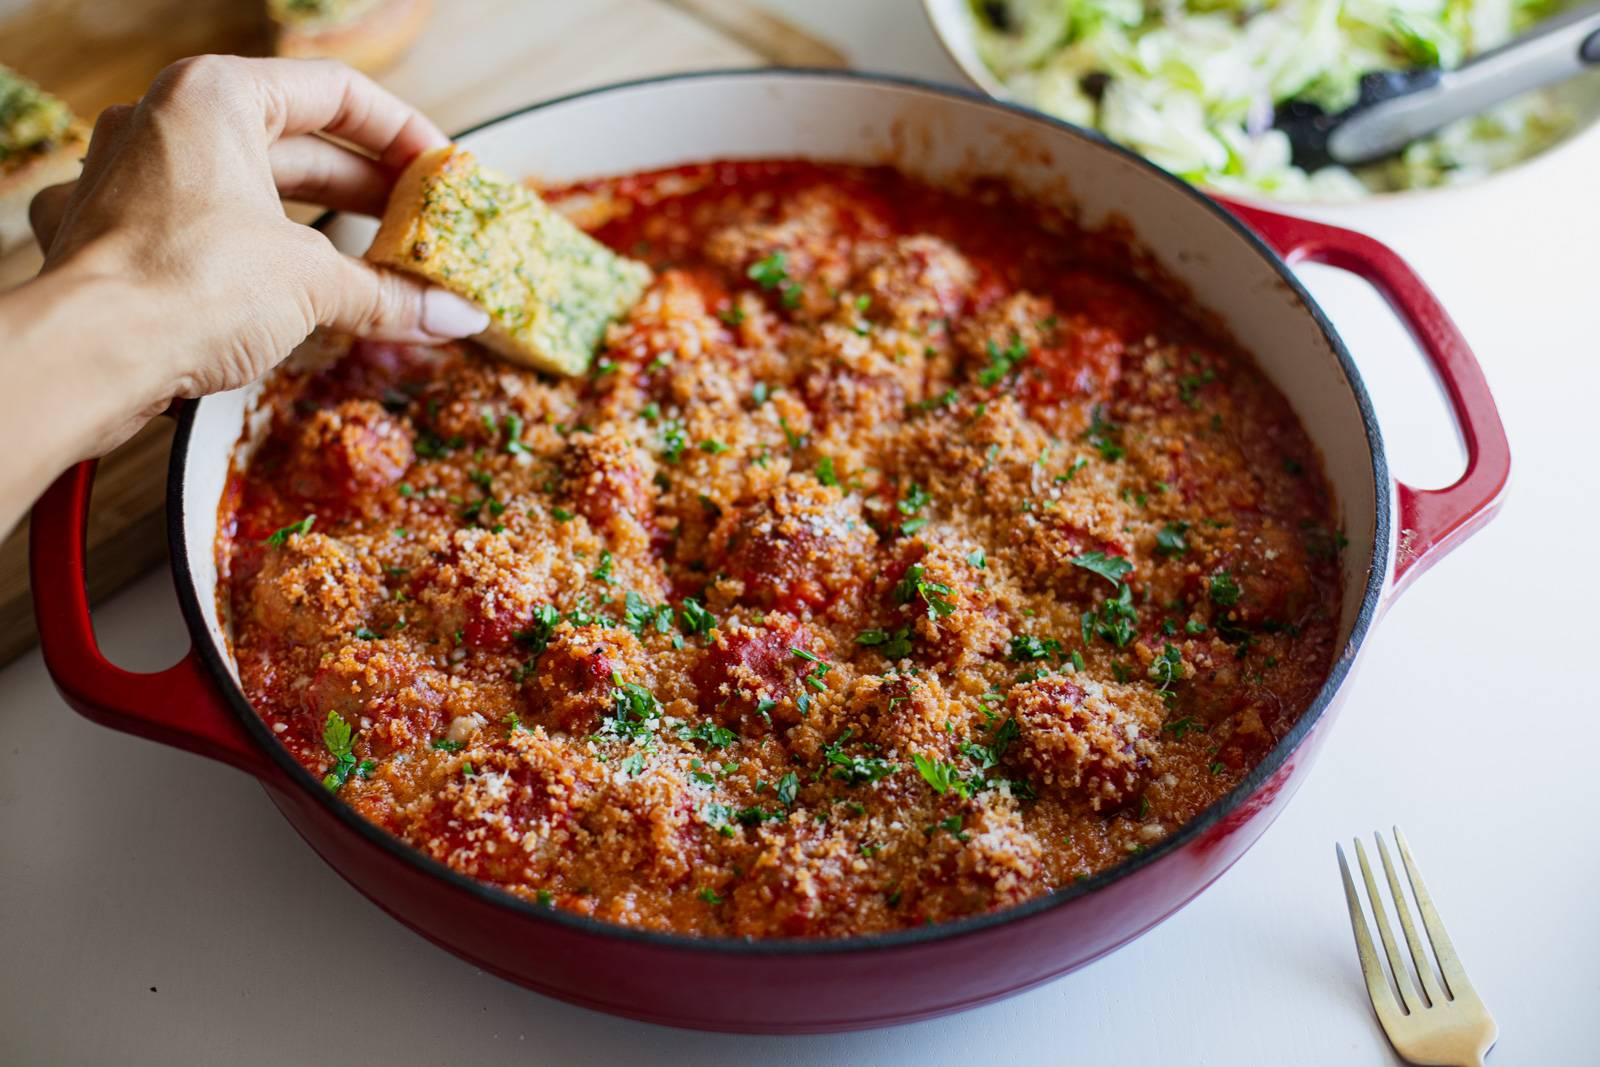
column 444, row 314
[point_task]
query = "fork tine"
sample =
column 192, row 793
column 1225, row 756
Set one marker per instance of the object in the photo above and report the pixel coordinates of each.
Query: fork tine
column 1430, row 987
column 1378, row 988
column 1402, row 977
column 1455, row 976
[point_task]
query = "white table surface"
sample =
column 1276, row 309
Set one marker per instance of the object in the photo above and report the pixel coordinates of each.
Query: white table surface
column 154, row 907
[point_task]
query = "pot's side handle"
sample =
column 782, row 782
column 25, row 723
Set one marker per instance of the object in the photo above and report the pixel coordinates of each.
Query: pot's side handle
column 179, row 706
column 1431, row 522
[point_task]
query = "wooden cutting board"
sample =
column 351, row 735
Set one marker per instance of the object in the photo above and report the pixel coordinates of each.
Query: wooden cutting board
column 478, row 59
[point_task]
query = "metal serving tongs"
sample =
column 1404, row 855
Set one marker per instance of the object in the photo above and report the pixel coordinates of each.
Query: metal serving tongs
column 1397, row 107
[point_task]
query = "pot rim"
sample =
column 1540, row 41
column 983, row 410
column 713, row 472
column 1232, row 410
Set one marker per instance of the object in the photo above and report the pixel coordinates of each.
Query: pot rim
column 1377, row 576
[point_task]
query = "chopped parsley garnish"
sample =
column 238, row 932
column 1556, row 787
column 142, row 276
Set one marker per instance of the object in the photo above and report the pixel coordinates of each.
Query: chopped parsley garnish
column 537, row 636
column 915, row 499
column 731, row 315
column 695, row 619
column 280, row 537
column 444, row 744
column 1105, row 436
column 1170, row 540
column 633, row 710
column 795, row 440
column 788, row 789
column 431, row 446
column 340, row 741
column 1002, row 361
column 1028, row 648
column 941, row 776
column 769, row 273
column 943, row 400
column 1114, row 620
column 773, row 273
column 759, row 393
column 673, row 441
column 1178, row 727
column 1190, row 384
column 364, row 634
column 1112, row 568
column 896, row 645
column 934, row 594
column 978, row 558
column 602, row 573
column 1167, row 668
column 952, row 824
column 709, row 895
column 1224, row 590
column 562, row 514
column 512, row 425
column 1194, row 626
column 825, row 472
column 708, row 733
column 990, row 755
column 856, row 769
column 639, row 615
column 1072, row 471
column 716, row 448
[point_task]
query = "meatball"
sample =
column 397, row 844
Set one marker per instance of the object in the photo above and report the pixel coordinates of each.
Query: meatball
column 608, row 478
column 1088, row 741
column 754, row 673
column 941, row 604
column 911, row 282
column 513, row 819
column 670, row 323
column 576, row 679
column 356, row 447
column 397, row 697
column 314, row 588
column 1263, row 578
column 484, row 591
column 801, row 548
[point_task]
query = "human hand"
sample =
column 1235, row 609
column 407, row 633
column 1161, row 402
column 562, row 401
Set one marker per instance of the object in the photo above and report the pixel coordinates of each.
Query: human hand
column 178, row 212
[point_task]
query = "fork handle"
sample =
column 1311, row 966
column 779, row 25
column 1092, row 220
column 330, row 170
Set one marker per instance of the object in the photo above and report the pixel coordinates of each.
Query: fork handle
column 1556, row 50
column 1430, row 522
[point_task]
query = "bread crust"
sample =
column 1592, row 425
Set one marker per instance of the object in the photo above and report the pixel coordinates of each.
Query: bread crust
column 371, row 42
column 21, row 181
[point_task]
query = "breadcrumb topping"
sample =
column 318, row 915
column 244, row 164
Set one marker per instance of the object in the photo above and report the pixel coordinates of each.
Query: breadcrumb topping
column 907, row 554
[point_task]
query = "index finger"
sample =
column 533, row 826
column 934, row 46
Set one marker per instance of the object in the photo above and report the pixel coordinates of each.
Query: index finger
column 322, row 96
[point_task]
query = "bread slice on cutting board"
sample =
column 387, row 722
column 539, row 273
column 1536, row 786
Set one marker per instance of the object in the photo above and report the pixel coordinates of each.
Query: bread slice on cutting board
column 41, row 143
column 367, row 34
column 549, row 288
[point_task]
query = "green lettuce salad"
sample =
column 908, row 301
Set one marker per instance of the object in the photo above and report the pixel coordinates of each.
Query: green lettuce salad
column 1192, row 84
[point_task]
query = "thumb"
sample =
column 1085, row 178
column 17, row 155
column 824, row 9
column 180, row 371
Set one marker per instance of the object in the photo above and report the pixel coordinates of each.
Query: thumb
column 387, row 305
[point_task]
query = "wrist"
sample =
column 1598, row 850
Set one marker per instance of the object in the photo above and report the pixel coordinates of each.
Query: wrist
column 71, row 363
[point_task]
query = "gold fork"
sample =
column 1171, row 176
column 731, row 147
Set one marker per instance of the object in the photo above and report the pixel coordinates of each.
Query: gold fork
column 1445, row 1024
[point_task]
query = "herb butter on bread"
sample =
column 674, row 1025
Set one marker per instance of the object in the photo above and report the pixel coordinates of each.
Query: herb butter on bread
column 549, row 288
column 41, row 143
column 369, row 35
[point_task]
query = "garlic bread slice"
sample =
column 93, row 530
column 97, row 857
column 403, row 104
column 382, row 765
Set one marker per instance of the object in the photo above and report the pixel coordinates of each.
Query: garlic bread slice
column 549, row 288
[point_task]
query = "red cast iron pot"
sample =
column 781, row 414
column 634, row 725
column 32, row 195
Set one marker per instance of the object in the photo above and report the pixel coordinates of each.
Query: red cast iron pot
column 1236, row 265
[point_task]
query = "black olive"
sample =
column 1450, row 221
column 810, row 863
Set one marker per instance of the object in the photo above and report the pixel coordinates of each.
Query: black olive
column 996, row 13
column 1094, row 84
